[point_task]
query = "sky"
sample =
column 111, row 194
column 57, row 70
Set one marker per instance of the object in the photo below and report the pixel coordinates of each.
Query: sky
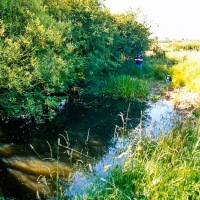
column 172, row 19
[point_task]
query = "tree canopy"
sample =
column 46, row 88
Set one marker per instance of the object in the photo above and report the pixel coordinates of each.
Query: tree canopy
column 47, row 46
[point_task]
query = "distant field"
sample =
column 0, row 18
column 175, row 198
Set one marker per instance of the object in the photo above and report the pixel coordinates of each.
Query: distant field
column 186, row 45
column 184, row 55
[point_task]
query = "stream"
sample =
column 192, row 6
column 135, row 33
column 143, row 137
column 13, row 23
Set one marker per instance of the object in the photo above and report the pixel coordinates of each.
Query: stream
column 85, row 131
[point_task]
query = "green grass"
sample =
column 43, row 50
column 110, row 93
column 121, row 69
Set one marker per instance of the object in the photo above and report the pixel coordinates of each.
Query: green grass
column 117, row 86
column 126, row 87
column 164, row 168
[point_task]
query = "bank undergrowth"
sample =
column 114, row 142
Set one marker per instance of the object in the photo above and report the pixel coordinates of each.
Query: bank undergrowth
column 157, row 168
column 129, row 83
column 48, row 47
column 187, row 71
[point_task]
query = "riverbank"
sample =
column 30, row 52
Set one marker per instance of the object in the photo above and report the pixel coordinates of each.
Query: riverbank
column 183, row 100
column 166, row 167
column 163, row 92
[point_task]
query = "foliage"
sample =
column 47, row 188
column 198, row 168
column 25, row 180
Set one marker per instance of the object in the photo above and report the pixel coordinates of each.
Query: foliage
column 133, row 35
column 160, row 72
column 157, row 67
column 128, row 82
column 156, row 62
column 33, row 62
column 48, row 46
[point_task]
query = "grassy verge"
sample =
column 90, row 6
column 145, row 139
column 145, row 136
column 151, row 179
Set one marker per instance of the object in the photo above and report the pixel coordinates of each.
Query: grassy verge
column 162, row 168
column 187, row 71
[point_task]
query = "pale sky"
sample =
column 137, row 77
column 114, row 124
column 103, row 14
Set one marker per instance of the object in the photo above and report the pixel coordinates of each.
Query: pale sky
column 176, row 19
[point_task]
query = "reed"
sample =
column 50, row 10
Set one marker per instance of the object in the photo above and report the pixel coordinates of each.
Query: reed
column 57, row 181
column 54, row 185
column 126, row 87
column 157, row 168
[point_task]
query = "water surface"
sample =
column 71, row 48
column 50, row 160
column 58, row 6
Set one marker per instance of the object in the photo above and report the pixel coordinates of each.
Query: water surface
column 86, row 126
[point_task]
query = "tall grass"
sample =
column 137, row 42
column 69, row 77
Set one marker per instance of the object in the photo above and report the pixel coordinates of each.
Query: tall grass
column 126, row 87
column 54, row 185
column 167, row 167
column 187, row 71
column 184, row 45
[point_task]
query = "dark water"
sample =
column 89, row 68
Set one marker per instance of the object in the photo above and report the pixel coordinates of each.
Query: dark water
column 159, row 117
column 86, row 126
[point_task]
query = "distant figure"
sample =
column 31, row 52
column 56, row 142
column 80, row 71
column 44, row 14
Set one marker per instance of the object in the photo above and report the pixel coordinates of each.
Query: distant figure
column 139, row 61
column 168, row 79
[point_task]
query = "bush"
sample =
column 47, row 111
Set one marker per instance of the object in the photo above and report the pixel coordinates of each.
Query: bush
column 48, row 46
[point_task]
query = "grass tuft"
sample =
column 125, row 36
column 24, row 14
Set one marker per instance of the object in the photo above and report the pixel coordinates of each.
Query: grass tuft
column 126, row 87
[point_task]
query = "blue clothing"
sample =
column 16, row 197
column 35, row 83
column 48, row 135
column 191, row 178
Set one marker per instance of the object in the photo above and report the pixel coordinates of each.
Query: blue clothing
column 140, row 57
column 139, row 61
column 168, row 79
column 139, row 66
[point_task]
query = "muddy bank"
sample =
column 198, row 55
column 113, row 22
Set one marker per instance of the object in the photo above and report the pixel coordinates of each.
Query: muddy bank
column 183, row 99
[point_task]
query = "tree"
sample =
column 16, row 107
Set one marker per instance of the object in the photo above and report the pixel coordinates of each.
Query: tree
column 48, row 46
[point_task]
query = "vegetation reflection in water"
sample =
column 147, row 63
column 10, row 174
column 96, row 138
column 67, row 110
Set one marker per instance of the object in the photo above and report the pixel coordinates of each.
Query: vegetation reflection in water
column 86, row 127
column 158, row 118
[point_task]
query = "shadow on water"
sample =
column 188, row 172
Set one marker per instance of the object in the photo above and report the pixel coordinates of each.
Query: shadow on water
column 157, row 118
column 86, row 126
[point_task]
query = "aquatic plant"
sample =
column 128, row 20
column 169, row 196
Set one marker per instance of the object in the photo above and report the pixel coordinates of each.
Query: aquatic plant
column 126, row 87
column 56, row 175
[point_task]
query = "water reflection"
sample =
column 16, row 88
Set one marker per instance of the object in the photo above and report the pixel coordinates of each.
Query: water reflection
column 161, row 118
column 158, row 118
column 87, row 127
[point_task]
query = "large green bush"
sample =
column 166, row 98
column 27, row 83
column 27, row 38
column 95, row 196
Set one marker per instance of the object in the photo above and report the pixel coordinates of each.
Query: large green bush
column 48, row 46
